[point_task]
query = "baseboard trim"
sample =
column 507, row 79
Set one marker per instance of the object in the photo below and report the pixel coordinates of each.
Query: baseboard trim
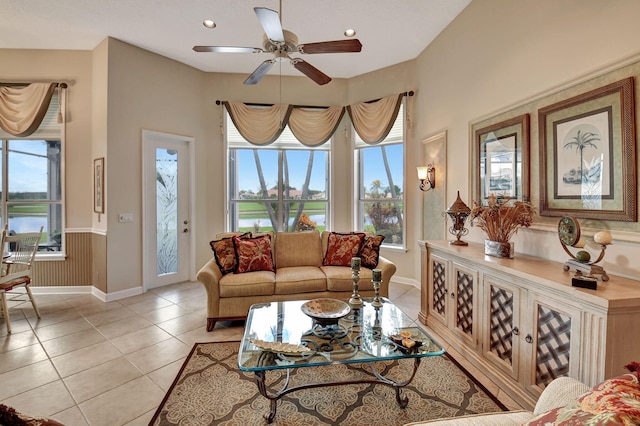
column 109, row 297
column 87, row 289
column 405, row 281
column 78, row 289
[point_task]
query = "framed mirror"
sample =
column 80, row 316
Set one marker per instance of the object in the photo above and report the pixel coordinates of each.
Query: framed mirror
column 501, row 160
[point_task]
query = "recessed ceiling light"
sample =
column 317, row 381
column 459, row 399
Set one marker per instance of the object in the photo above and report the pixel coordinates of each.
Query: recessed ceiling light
column 350, row 32
column 209, row 23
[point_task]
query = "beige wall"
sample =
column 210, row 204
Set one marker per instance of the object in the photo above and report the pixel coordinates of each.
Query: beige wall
column 145, row 91
column 495, row 55
column 73, row 67
column 498, row 54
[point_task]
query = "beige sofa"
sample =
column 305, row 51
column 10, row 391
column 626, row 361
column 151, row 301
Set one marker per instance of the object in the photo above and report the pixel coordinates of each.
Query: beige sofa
column 299, row 275
column 559, row 393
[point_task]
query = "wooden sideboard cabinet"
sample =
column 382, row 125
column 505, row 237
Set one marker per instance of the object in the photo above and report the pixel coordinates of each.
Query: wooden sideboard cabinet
column 522, row 323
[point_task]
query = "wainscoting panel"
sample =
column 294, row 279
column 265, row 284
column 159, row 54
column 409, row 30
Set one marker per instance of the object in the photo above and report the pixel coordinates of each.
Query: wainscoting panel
column 76, row 270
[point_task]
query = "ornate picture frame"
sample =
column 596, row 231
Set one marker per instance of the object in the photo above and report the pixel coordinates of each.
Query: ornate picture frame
column 98, row 185
column 501, row 165
column 587, row 155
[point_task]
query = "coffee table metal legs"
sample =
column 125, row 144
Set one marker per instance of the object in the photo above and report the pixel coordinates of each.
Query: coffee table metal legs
column 380, row 379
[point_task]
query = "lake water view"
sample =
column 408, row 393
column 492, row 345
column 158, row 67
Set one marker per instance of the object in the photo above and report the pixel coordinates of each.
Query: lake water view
column 20, row 224
column 264, row 221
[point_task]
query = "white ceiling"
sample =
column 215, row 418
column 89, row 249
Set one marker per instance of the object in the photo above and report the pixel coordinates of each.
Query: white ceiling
column 391, row 31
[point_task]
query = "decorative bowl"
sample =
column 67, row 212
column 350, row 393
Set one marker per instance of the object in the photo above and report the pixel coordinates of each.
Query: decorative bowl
column 326, row 311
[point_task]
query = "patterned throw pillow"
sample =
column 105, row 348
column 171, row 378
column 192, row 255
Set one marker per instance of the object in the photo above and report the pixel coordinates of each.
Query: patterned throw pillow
column 225, row 253
column 341, row 248
column 253, row 254
column 370, row 251
column 613, row 402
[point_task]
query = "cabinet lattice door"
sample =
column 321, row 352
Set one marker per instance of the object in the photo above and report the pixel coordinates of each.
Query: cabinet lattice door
column 553, row 345
column 464, row 302
column 439, row 288
column 501, row 338
column 501, row 324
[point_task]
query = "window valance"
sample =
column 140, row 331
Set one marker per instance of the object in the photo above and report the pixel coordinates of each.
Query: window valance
column 259, row 125
column 313, row 126
column 22, row 108
column 374, row 120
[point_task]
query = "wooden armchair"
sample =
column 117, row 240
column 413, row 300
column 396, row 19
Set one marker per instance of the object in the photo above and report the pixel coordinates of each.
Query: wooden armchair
column 18, row 251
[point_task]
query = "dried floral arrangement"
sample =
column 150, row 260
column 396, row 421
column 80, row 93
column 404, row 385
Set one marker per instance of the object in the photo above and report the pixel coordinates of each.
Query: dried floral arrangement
column 501, row 218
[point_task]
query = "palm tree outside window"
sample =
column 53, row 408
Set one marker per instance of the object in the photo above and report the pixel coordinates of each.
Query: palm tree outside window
column 380, row 178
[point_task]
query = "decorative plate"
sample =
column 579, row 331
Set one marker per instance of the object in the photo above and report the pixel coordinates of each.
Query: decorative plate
column 568, row 231
column 281, row 347
column 326, row 311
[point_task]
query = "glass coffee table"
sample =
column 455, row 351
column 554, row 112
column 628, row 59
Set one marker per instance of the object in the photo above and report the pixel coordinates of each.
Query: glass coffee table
column 279, row 335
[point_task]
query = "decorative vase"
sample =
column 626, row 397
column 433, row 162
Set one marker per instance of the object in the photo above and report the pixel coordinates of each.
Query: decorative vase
column 498, row 249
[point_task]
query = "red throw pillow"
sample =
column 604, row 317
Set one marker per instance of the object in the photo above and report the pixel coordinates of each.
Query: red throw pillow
column 225, row 253
column 612, row 402
column 341, row 248
column 253, row 254
column 370, row 251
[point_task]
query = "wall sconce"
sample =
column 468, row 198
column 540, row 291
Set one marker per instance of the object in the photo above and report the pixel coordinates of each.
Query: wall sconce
column 427, row 176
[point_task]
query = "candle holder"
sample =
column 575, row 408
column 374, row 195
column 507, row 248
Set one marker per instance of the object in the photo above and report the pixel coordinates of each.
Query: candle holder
column 569, row 235
column 355, row 301
column 376, row 279
column 377, row 328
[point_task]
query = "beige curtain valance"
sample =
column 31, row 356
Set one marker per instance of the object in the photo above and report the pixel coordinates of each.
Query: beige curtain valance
column 374, row 120
column 22, row 108
column 315, row 127
column 262, row 125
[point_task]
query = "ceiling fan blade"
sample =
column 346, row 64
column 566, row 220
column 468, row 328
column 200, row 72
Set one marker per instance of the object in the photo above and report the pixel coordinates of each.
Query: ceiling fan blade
column 227, row 49
column 270, row 21
column 312, row 72
column 338, row 46
column 260, row 72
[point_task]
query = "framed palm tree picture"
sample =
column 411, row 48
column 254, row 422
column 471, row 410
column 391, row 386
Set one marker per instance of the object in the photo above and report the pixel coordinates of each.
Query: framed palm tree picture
column 587, row 155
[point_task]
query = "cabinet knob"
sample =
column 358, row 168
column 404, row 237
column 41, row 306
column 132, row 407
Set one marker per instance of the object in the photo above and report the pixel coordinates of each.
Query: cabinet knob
column 515, row 331
column 453, row 296
column 446, row 290
column 528, row 339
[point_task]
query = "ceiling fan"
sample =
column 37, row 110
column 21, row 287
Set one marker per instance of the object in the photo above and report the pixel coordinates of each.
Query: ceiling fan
column 282, row 43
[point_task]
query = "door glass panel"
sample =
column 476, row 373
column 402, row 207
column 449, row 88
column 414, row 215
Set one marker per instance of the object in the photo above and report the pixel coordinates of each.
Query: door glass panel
column 167, row 210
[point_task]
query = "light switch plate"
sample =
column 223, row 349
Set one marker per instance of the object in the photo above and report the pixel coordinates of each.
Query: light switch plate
column 125, row 217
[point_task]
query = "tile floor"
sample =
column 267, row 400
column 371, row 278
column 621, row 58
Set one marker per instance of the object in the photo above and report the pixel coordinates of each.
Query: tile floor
column 86, row 362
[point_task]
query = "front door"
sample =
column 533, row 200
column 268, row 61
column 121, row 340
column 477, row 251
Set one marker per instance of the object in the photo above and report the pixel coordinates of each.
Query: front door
column 167, row 214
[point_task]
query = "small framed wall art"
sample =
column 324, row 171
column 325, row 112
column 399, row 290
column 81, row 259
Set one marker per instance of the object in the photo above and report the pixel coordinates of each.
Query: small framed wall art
column 98, row 185
column 502, row 160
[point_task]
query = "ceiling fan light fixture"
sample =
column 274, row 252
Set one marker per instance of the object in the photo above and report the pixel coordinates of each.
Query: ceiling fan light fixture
column 349, row 32
column 280, row 43
column 209, row 23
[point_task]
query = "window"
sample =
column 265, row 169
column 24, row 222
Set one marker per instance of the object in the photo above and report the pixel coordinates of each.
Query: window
column 279, row 187
column 380, row 178
column 31, row 181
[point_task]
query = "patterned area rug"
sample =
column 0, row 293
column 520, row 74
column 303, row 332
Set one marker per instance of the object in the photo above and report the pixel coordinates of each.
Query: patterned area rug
column 211, row 390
